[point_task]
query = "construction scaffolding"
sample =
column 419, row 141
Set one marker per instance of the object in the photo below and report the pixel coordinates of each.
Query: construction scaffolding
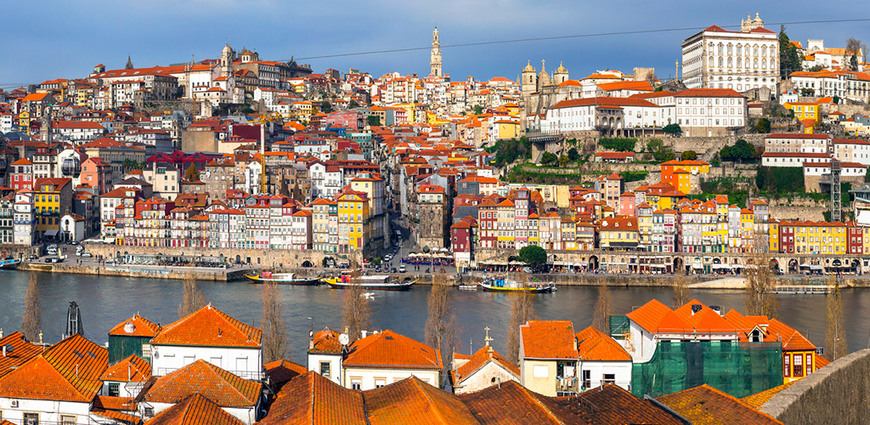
column 737, row 368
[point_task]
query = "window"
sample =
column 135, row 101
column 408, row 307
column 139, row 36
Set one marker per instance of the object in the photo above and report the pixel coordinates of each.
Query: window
column 786, row 369
column 380, row 382
column 325, row 369
column 809, row 363
column 587, row 379
column 114, row 389
column 67, row 420
column 356, row 384
column 609, row 378
column 31, row 419
column 798, row 366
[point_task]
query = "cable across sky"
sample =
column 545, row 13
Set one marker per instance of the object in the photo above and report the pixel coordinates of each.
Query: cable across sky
column 564, row 37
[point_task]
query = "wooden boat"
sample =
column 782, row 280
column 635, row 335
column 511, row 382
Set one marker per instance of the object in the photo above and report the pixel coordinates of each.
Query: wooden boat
column 500, row 284
column 10, row 264
column 282, row 279
column 379, row 282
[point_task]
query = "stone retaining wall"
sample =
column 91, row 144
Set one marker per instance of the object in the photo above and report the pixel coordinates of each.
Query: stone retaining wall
column 272, row 258
column 838, row 393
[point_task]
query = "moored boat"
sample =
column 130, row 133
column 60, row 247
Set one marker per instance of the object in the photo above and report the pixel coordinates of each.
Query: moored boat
column 501, row 284
column 379, row 282
column 10, row 263
column 282, row 279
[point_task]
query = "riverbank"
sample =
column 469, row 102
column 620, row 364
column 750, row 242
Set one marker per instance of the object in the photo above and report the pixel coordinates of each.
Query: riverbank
column 139, row 271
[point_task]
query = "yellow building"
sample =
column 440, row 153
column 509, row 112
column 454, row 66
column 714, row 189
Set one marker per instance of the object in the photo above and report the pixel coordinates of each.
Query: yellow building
column 819, row 237
column 804, row 110
column 569, row 234
column 353, row 221
column 52, row 198
column 684, row 175
column 24, row 122
column 618, row 233
column 505, row 224
column 505, row 129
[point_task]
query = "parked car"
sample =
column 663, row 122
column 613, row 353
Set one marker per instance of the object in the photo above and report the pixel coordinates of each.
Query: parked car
column 393, row 270
column 402, row 268
column 87, row 255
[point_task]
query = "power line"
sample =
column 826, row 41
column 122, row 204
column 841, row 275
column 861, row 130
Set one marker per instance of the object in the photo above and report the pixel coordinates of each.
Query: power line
column 564, row 37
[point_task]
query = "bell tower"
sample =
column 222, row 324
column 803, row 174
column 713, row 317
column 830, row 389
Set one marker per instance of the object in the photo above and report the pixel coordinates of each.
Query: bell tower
column 435, row 57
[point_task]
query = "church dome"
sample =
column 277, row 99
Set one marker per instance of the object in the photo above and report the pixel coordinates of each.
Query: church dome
column 529, row 68
column 561, row 69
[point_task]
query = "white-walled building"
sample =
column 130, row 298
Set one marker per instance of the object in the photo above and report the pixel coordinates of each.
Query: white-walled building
column 548, row 357
column 126, row 378
column 844, row 84
column 23, row 218
column 798, row 143
column 325, row 355
column 739, row 60
column 482, row 370
column 852, row 150
column 709, row 112
column 386, row 357
column 57, row 386
column 608, row 113
column 602, row 360
column 212, row 336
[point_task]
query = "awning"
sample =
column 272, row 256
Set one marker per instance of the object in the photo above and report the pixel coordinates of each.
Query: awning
column 721, row 266
column 697, row 266
column 51, row 233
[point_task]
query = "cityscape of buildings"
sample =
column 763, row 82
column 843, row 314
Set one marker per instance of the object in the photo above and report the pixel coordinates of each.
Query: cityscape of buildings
column 751, row 153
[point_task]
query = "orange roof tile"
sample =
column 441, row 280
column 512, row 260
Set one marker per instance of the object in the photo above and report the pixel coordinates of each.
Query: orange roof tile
column 389, row 349
column 131, row 369
column 594, row 345
column 758, row 399
column 706, row 405
column 20, row 352
column 209, row 327
column 216, row 384
column 413, row 402
column 548, row 339
column 136, row 326
column 512, row 404
column 311, row 399
column 481, row 358
column 196, row 409
column 656, row 317
column 282, row 371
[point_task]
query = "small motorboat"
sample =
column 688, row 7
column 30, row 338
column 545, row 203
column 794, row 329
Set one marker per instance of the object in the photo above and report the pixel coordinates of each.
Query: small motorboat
column 282, row 279
column 10, row 263
column 467, row 287
column 501, row 284
column 371, row 282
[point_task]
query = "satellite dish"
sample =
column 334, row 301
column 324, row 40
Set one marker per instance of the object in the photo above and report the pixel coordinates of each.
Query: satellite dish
column 343, row 339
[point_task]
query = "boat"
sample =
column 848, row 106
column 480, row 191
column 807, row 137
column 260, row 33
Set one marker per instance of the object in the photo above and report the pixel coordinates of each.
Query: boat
column 382, row 282
column 10, row 263
column 501, row 284
column 468, row 287
column 282, row 279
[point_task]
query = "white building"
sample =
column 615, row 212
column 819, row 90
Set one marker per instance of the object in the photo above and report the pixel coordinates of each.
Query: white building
column 325, row 355
column 852, row 150
column 602, row 360
column 76, row 132
column 23, row 218
column 210, row 335
column 844, row 84
column 710, row 112
column 792, row 159
column 386, row 357
column 482, row 370
column 739, row 60
column 847, row 169
column 605, row 113
column 548, row 357
column 56, row 387
column 798, row 143
column 126, row 378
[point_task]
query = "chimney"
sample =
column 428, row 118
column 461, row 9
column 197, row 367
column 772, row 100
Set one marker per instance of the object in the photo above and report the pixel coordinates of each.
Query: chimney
column 364, row 333
column 4, row 351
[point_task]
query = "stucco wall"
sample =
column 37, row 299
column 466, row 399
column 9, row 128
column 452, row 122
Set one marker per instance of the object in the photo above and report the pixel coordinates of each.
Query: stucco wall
column 835, row 394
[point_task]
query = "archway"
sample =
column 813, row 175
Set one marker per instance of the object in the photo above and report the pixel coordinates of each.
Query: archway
column 678, row 265
column 774, row 266
column 307, row 263
column 593, row 262
column 792, row 266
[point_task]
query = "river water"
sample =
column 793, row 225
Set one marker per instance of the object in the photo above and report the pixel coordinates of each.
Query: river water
column 106, row 301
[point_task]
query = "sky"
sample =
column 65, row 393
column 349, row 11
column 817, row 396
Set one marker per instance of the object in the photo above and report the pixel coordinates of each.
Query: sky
column 51, row 39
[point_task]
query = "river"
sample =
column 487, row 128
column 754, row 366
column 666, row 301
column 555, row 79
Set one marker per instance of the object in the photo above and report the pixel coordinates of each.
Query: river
column 106, row 301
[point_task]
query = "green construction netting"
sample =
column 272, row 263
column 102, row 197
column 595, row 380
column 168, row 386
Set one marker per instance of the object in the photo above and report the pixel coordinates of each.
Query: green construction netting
column 618, row 326
column 739, row 369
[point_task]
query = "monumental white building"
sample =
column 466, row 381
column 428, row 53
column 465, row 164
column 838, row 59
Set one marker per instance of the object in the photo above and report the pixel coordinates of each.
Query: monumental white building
column 740, row 60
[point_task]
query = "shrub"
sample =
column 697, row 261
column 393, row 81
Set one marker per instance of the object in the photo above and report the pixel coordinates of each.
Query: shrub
column 673, row 129
column 624, row 144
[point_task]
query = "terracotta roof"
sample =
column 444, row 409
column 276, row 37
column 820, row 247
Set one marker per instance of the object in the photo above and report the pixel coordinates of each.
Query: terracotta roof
column 708, row 93
column 282, row 371
column 311, row 399
column 209, row 327
column 216, row 384
column 758, row 399
column 136, row 325
column 69, row 371
column 115, row 403
column 796, row 136
column 195, row 410
column 481, row 358
column 412, row 402
column 131, row 369
column 605, row 101
column 594, row 345
column 326, row 341
column 705, row 320
column 706, row 405
column 656, row 317
column 512, row 404
column 18, row 351
column 610, row 404
column 548, row 339
column 388, row 349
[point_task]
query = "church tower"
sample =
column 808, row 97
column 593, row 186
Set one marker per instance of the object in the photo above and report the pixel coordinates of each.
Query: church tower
column 561, row 75
column 529, row 81
column 435, row 58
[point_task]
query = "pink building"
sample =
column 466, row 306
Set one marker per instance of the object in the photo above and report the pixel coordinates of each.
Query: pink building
column 627, row 204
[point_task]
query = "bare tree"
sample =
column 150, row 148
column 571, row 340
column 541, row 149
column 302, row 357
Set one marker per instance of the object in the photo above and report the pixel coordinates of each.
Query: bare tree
column 759, row 297
column 853, row 50
column 680, row 286
column 603, row 309
column 835, row 337
column 522, row 310
column 273, row 325
column 357, row 312
column 191, row 298
column 32, row 321
column 441, row 322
